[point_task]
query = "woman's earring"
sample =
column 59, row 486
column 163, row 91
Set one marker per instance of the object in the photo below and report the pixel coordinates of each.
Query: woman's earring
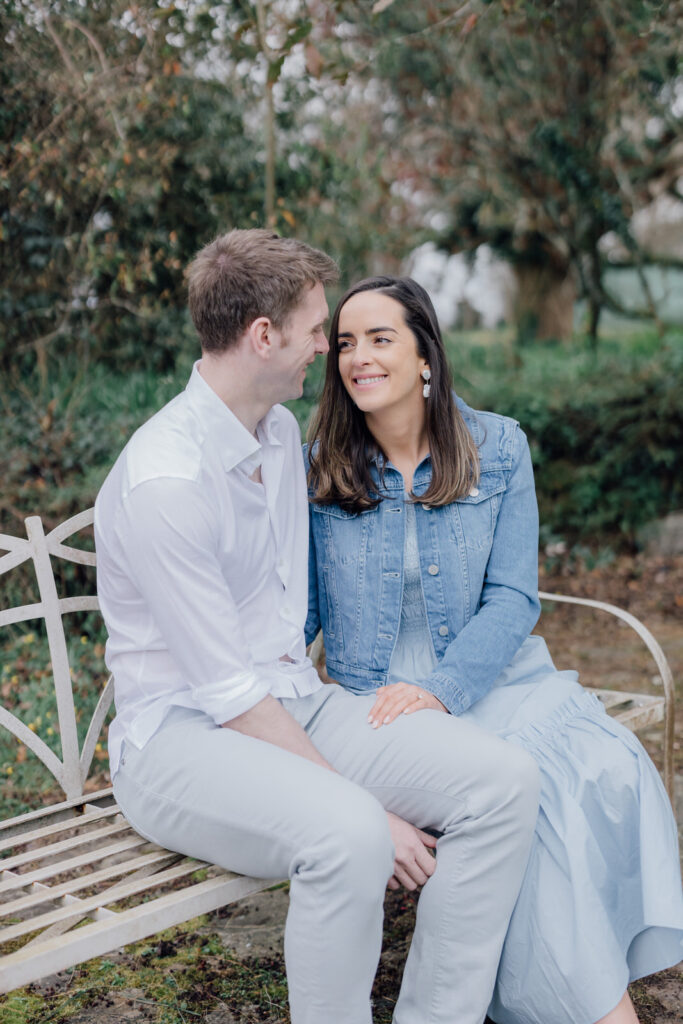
column 426, row 376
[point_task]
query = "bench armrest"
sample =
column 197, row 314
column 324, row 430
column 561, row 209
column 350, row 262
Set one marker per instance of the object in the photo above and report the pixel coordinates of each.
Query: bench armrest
column 663, row 668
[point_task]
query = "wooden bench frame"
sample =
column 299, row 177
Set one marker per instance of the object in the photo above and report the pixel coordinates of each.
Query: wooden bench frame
column 85, row 845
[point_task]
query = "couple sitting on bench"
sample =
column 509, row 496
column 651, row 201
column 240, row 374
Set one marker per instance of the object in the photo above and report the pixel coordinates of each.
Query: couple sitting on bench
column 424, row 767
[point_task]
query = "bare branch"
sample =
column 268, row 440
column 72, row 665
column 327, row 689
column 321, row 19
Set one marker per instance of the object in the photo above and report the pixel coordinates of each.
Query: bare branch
column 54, row 36
column 69, row 108
column 36, row 344
column 105, row 68
column 129, row 307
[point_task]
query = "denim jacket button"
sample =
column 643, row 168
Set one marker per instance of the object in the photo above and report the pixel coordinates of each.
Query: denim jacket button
column 443, row 630
column 427, row 508
column 474, row 492
column 433, row 570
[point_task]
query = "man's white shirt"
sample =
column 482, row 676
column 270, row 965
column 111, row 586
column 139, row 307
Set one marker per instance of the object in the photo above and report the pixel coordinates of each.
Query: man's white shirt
column 201, row 571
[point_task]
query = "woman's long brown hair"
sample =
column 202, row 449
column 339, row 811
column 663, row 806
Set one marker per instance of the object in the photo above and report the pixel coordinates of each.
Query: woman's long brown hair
column 341, row 446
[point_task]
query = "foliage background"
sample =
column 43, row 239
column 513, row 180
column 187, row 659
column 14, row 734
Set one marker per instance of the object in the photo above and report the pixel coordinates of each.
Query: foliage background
column 131, row 133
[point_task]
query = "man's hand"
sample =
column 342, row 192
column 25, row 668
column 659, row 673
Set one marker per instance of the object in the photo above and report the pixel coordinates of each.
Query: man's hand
column 401, row 698
column 413, row 860
column 269, row 721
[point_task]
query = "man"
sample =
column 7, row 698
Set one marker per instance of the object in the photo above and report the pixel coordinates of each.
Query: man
column 225, row 745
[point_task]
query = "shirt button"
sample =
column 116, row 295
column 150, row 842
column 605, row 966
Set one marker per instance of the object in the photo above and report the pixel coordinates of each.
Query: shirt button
column 443, row 630
column 433, row 570
column 286, row 610
column 474, row 492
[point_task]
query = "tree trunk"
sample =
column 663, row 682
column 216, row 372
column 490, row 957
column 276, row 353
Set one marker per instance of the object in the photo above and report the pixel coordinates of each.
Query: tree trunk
column 544, row 307
column 594, row 295
column 270, row 157
column 594, row 311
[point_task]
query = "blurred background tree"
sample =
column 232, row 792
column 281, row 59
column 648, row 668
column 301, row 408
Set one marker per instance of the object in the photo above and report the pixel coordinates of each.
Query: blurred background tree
column 132, row 132
column 536, row 126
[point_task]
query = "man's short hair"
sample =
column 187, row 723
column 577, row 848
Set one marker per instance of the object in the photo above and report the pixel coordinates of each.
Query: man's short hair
column 246, row 274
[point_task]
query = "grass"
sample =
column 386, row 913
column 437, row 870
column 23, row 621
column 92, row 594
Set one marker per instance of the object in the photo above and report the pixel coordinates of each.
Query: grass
column 182, row 975
column 178, row 977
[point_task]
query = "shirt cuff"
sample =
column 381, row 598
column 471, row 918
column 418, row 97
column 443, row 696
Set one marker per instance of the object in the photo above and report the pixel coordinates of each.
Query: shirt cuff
column 228, row 698
column 447, row 691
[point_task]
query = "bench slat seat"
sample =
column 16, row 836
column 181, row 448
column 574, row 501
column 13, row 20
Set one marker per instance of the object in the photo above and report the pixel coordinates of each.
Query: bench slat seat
column 634, row 710
column 70, row 929
column 40, row 881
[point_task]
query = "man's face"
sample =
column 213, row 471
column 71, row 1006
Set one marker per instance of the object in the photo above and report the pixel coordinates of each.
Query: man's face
column 301, row 339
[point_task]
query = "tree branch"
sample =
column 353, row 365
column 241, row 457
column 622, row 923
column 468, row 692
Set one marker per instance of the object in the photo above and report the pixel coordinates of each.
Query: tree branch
column 105, row 68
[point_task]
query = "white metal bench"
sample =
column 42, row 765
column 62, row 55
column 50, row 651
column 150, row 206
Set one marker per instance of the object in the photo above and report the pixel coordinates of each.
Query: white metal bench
column 76, row 881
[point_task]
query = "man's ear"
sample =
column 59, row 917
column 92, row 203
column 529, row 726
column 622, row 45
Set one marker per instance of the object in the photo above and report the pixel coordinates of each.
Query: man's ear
column 261, row 334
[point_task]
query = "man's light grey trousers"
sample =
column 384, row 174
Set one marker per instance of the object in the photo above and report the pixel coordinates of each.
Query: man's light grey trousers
column 252, row 807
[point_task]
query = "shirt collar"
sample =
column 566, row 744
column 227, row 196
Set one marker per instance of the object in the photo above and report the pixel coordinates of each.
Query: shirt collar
column 235, row 444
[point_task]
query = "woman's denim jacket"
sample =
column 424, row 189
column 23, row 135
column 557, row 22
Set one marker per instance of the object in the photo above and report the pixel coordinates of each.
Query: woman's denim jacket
column 479, row 567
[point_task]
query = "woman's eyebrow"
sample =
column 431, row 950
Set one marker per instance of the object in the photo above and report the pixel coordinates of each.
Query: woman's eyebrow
column 370, row 330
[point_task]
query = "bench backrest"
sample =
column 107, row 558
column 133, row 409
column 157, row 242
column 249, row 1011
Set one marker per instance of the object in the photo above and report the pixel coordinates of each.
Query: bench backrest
column 72, row 771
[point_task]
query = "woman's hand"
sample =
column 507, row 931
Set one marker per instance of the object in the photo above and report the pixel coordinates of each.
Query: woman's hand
column 413, row 858
column 401, row 698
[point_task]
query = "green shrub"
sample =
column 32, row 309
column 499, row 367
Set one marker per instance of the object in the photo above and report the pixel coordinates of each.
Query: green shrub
column 606, row 430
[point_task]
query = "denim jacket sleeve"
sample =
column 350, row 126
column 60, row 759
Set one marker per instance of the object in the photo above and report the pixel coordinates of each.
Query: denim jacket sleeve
column 508, row 607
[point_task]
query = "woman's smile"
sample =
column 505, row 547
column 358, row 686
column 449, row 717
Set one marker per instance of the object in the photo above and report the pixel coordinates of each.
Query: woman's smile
column 379, row 363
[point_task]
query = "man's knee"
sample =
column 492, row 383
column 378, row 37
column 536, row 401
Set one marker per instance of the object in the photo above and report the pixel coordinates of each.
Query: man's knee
column 354, row 845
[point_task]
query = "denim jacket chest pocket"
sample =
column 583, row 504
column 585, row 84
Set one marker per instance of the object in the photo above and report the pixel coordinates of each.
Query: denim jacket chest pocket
column 346, row 543
column 472, row 519
column 347, row 536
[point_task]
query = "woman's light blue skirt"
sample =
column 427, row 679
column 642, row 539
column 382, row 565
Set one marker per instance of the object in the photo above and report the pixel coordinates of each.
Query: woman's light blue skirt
column 601, row 903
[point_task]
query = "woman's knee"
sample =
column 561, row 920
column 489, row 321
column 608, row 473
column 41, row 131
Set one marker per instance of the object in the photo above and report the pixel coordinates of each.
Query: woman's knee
column 508, row 783
column 521, row 784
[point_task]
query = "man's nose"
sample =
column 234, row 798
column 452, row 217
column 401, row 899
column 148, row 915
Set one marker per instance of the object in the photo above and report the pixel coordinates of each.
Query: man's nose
column 323, row 346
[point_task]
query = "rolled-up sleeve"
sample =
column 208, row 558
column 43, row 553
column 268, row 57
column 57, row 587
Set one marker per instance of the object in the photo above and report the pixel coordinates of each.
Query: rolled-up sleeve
column 168, row 531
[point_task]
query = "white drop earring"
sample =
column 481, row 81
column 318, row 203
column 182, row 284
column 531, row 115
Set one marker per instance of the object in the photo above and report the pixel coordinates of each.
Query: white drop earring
column 426, row 376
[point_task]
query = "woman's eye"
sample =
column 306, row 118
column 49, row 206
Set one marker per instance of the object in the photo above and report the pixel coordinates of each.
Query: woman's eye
column 343, row 345
column 382, row 339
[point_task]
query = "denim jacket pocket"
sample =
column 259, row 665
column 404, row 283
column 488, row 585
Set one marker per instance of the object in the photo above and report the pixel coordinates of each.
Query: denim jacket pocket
column 474, row 515
column 345, row 533
column 343, row 543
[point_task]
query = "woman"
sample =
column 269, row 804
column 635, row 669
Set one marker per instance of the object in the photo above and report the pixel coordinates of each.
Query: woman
column 423, row 576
